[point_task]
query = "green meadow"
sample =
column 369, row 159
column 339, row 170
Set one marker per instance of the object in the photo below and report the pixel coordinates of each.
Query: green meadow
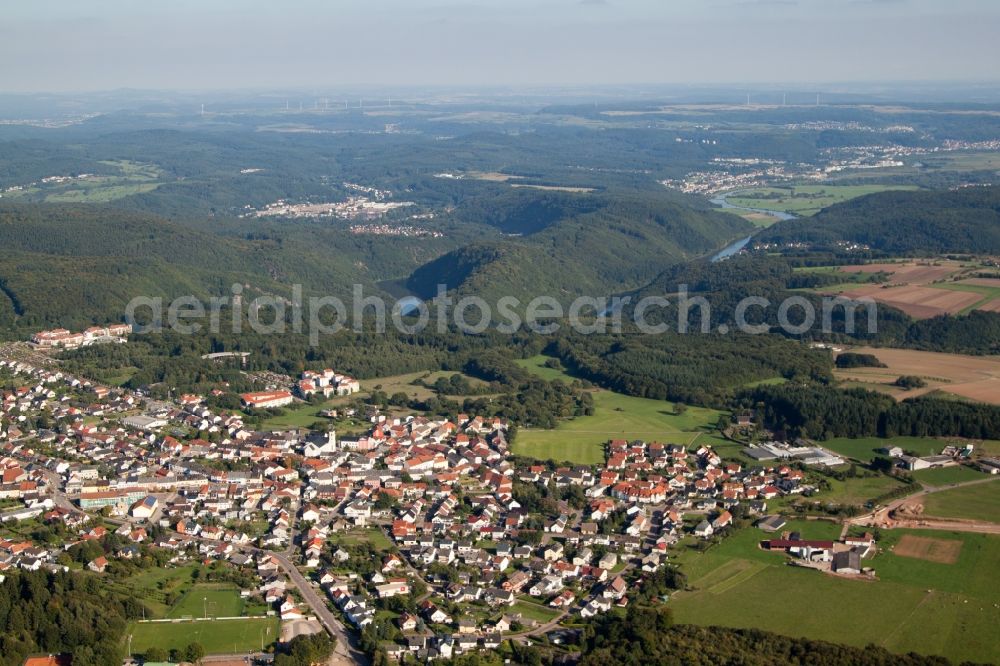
column 927, row 607
column 216, row 636
column 864, row 449
column 581, row 440
column 804, row 200
column 973, row 502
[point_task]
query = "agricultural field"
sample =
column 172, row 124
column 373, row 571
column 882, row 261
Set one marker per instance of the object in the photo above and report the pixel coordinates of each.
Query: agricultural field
column 975, row 502
column 133, row 178
column 581, row 440
column 216, row 636
column 804, row 200
column 919, row 302
column 963, row 161
column 921, row 289
column 761, row 220
column 970, row 377
column 916, row 604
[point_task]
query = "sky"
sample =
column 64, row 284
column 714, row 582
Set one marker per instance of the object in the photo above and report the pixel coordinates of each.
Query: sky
column 79, row 45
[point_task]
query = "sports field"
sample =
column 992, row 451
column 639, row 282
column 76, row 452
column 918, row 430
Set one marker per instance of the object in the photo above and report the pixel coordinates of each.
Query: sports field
column 916, row 603
column 208, row 600
column 616, row 416
column 216, row 636
column 976, row 502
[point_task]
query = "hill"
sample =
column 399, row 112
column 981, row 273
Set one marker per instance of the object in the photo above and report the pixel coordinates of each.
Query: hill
column 566, row 245
column 73, row 265
column 903, row 223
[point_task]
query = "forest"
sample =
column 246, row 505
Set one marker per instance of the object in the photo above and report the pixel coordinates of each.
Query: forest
column 724, row 284
column 823, row 412
column 45, row 612
column 694, row 369
column 648, row 636
column 920, row 223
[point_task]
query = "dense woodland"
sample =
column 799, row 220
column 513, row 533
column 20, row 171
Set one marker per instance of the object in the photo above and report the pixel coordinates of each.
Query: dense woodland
column 648, row 636
column 724, row 284
column 694, row 369
column 824, row 412
column 904, row 223
column 42, row 612
column 566, row 245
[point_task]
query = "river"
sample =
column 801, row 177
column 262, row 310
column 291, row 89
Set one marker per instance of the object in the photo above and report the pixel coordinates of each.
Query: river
column 723, row 203
column 738, row 245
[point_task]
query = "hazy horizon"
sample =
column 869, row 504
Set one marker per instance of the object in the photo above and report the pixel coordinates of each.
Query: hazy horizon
column 64, row 46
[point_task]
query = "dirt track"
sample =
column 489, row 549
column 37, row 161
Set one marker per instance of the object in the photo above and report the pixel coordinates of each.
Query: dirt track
column 886, row 517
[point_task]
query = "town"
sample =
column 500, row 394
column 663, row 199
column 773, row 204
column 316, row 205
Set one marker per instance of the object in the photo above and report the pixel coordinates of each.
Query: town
column 429, row 529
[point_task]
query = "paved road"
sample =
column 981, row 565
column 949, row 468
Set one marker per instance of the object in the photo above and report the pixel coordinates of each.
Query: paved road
column 347, row 650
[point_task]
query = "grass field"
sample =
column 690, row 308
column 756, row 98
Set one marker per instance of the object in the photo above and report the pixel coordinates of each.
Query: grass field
column 151, row 586
column 298, row 415
column 375, row 536
column 100, row 191
column 864, row 449
column 772, row 381
column 927, row 607
column 404, row 383
column 859, row 490
column 134, row 178
column 616, row 416
column 945, row 476
column 978, row 502
column 804, row 200
column 208, row 600
column 303, row 415
column 216, row 636
column 530, row 611
column 762, row 220
column 536, row 364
